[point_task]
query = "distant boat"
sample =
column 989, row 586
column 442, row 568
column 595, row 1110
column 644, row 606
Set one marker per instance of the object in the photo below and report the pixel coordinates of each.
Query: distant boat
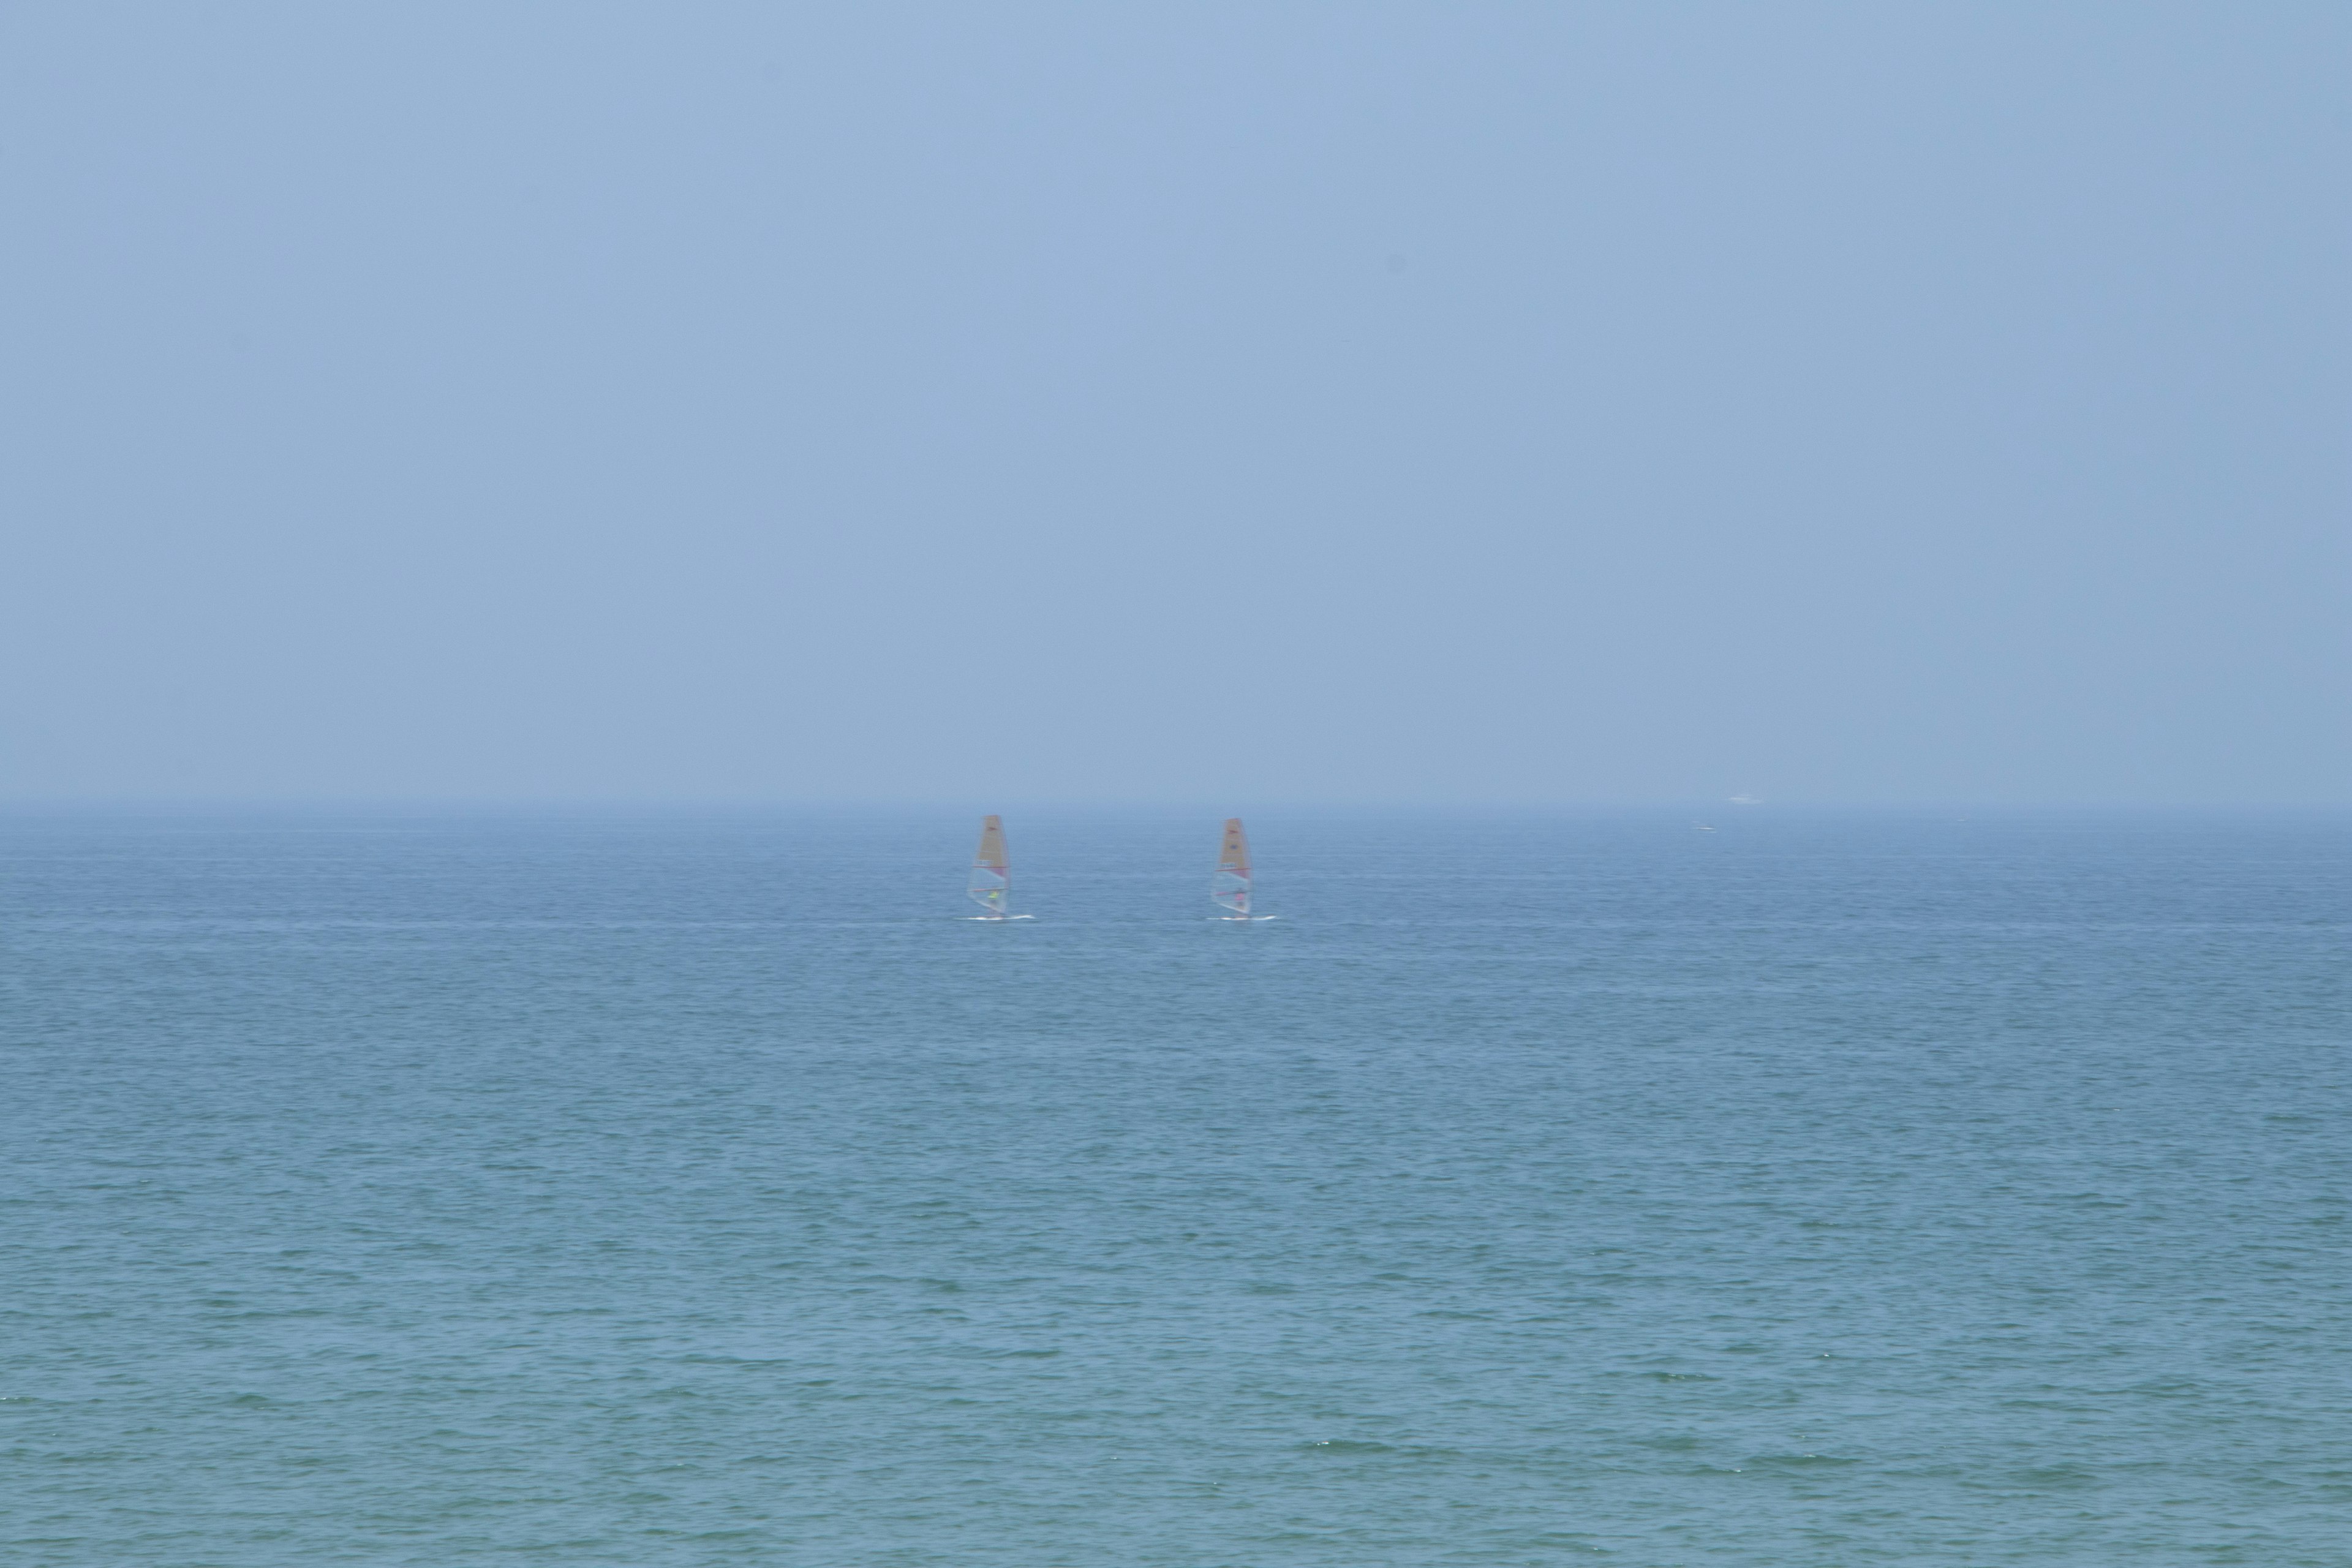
column 990, row 884
column 1229, row 885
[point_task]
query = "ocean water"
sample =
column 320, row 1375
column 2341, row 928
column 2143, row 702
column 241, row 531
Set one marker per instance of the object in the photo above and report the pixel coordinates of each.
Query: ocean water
column 652, row 1190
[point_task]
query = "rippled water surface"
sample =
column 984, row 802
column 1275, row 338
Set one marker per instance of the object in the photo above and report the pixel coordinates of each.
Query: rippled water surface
column 670, row 1190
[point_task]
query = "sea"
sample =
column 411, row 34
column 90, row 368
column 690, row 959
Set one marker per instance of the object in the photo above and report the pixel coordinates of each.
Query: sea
column 673, row 1187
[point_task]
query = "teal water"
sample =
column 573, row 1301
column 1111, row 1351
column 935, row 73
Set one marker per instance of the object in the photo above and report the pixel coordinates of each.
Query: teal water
column 676, row 1190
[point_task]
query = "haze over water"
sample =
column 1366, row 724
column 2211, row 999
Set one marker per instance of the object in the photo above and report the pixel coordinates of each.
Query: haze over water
column 944, row 408
column 667, row 1189
column 1385, row 404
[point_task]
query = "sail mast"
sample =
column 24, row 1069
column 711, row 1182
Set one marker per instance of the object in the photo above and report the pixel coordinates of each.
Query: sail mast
column 1230, row 884
column 990, row 885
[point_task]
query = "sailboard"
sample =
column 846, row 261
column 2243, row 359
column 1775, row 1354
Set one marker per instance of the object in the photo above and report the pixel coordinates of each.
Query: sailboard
column 991, row 883
column 1230, row 884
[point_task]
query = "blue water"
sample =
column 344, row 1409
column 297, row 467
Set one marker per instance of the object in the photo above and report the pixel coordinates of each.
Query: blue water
column 663, row 1190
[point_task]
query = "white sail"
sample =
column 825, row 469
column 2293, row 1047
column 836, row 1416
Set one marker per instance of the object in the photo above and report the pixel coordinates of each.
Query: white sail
column 990, row 885
column 1229, row 885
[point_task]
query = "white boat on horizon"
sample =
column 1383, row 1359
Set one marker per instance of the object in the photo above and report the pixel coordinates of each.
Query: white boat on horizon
column 1230, row 885
column 991, row 882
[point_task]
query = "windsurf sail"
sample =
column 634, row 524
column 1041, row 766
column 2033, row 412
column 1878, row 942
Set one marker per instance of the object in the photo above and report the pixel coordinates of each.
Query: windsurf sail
column 992, row 881
column 1230, row 884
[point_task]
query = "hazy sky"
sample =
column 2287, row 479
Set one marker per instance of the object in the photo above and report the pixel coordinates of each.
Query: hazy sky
column 1224, row 404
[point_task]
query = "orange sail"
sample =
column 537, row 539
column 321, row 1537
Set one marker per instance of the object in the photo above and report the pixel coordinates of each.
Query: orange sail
column 1230, row 884
column 990, row 886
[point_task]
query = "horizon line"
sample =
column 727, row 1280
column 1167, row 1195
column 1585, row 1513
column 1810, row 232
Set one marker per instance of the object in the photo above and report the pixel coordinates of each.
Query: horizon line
column 1727, row 807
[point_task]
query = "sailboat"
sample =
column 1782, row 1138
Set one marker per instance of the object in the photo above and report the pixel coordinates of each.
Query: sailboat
column 990, row 884
column 1229, row 885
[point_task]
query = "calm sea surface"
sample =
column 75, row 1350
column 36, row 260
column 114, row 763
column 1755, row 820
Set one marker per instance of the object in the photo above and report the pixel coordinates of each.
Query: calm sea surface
column 673, row 1190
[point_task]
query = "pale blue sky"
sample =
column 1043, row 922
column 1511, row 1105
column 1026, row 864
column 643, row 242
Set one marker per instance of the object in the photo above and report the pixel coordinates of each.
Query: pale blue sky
column 1872, row 403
